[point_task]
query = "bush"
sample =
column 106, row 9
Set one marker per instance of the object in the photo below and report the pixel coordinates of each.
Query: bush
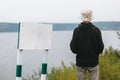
column 109, row 65
column 63, row 73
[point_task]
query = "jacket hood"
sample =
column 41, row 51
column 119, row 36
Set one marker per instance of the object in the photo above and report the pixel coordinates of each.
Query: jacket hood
column 84, row 25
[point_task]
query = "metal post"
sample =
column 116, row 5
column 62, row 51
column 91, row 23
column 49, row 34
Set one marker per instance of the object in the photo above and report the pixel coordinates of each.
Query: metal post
column 19, row 65
column 44, row 65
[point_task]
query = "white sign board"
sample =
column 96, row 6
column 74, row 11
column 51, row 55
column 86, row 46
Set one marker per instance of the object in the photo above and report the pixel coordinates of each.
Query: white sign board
column 35, row 36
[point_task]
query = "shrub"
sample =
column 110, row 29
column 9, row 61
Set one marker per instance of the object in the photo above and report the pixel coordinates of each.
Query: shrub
column 109, row 65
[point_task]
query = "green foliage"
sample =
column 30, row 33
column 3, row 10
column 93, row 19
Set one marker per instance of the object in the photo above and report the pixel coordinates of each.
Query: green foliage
column 109, row 65
column 63, row 73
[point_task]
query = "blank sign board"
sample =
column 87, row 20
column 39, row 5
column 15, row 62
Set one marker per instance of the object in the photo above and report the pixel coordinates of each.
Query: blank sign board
column 35, row 36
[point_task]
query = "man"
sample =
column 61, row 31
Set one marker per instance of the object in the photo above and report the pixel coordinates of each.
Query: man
column 87, row 44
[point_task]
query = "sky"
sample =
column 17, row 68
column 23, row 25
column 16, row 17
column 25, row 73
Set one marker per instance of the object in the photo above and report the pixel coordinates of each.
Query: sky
column 57, row 10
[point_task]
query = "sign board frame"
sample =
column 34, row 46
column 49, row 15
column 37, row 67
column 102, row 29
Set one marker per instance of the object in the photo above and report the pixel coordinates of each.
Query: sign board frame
column 34, row 36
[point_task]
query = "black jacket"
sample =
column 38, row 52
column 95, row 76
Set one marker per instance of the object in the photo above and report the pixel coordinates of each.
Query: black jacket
column 87, row 44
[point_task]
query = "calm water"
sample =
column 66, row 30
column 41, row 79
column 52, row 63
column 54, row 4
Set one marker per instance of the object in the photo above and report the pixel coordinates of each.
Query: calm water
column 33, row 59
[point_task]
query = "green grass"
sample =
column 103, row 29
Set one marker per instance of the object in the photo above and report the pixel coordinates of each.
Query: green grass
column 109, row 65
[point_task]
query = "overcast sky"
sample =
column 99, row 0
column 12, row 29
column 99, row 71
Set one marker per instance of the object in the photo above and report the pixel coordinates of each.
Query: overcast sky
column 57, row 10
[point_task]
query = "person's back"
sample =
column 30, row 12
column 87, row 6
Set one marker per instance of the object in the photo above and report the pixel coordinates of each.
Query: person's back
column 87, row 44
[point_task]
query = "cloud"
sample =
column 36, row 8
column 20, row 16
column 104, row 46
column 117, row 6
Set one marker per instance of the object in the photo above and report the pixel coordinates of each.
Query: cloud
column 57, row 10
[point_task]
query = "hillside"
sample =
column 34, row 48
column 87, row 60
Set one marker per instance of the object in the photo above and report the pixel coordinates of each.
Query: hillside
column 8, row 27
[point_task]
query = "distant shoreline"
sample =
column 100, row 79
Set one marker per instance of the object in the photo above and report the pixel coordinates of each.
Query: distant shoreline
column 13, row 27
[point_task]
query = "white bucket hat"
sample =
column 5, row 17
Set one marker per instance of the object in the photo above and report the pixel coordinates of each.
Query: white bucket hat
column 86, row 15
